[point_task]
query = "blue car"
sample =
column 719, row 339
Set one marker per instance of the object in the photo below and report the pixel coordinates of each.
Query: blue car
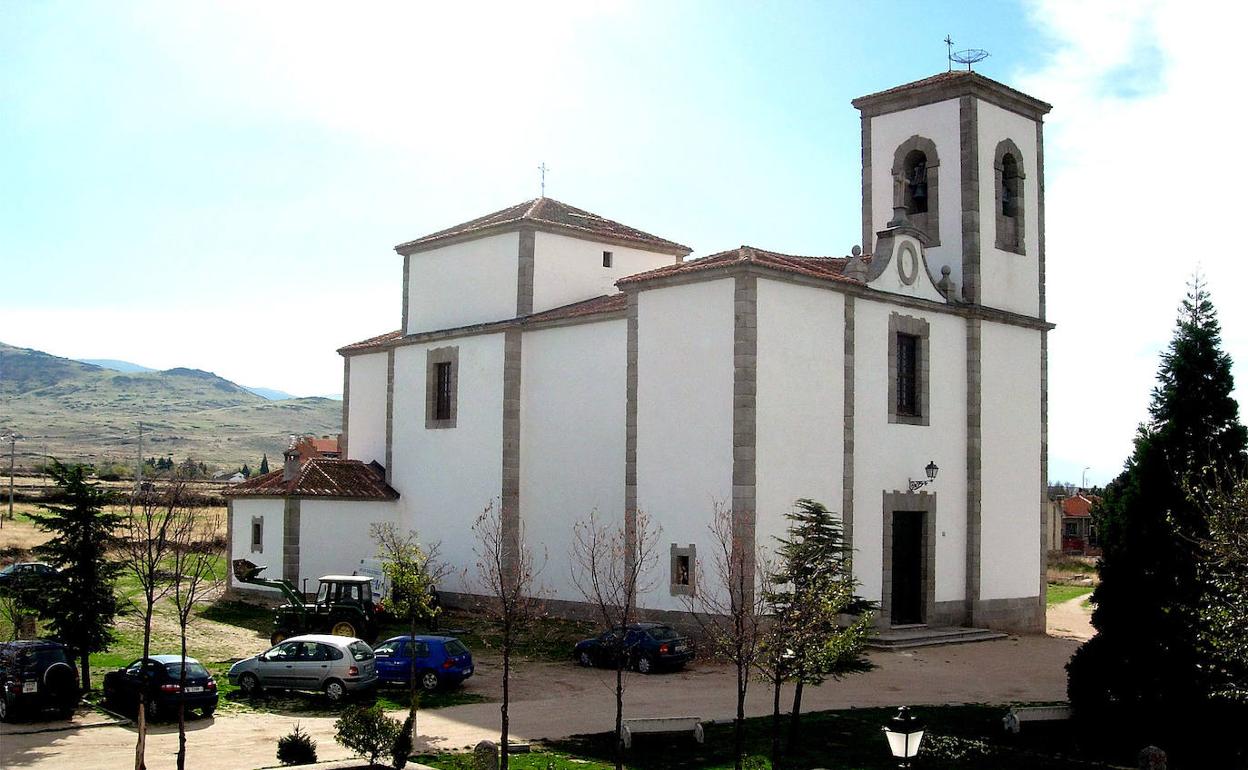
column 441, row 661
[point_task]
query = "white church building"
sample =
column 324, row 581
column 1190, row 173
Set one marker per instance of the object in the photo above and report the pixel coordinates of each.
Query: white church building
column 554, row 362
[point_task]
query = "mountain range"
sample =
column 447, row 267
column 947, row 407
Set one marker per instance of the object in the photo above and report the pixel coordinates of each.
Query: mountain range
column 90, row 412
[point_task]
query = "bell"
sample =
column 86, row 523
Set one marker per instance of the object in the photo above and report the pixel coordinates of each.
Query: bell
column 920, row 190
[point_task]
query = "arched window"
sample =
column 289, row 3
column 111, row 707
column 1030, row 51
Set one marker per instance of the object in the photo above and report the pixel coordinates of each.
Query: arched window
column 1011, row 196
column 916, row 185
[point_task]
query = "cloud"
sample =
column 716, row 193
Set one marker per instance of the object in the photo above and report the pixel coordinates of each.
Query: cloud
column 1141, row 152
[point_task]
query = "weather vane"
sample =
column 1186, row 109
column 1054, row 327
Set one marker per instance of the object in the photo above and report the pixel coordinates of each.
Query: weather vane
column 543, row 169
column 967, row 57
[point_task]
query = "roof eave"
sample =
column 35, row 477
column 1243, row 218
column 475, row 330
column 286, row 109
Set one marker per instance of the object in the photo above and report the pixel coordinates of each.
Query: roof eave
column 973, row 84
column 517, row 225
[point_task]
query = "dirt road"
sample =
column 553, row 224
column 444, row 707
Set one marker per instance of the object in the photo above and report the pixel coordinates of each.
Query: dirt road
column 558, row 699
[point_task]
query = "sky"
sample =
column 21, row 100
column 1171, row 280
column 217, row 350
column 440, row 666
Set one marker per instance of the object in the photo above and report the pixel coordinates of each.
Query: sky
column 221, row 185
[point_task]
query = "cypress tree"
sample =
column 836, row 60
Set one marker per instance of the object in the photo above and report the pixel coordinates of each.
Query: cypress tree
column 264, row 464
column 1144, row 667
column 80, row 602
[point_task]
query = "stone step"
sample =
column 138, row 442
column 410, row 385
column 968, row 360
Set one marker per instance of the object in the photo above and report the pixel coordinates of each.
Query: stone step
column 909, row 637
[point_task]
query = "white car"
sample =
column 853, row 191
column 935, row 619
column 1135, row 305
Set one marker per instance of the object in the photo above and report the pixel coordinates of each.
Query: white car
column 335, row 665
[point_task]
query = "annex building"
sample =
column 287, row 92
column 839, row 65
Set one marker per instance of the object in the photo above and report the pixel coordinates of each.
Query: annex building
column 553, row 362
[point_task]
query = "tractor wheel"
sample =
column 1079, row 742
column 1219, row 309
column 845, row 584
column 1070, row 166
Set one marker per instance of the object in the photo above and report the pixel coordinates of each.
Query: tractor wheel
column 344, row 627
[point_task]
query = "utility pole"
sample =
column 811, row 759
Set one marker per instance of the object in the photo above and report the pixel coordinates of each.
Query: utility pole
column 12, row 437
column 138, row 476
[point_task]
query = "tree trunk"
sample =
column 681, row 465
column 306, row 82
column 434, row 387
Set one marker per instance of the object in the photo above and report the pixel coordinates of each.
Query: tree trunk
column 182, row 707
column 503, row 760
column 140, row 746
column 413, row 692
column 776, row 681
column 84, row 668
column 619, row 712
column 738, row 725
column 795, row 718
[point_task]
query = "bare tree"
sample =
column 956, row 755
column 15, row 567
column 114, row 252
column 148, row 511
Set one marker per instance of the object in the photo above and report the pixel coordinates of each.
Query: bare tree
column 731, row 610
column 145, row 546
column 195, row 556
column 611, row 567
column 506, row 576
column 413, row 571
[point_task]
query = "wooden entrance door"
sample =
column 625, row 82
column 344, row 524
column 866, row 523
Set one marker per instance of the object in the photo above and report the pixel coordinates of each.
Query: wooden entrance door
column 907, row 596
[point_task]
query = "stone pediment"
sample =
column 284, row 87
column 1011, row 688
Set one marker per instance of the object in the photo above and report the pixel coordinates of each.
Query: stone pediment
column 899, row 266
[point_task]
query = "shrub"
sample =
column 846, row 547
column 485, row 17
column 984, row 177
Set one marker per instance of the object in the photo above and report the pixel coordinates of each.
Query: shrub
column 366, row 731
column 297, row 748
column 402, row 748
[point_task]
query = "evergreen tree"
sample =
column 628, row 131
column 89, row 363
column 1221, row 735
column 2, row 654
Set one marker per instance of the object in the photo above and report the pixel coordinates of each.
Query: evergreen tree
column 246, row 471
column 1144, row 667
column 812, row 588
column 264, row 464
column 80, row 603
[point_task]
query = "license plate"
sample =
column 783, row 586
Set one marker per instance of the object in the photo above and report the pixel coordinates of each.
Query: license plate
column 194, row 689
column 30, row 687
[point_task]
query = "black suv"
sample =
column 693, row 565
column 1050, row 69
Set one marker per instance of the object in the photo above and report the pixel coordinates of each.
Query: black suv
column 36, row 676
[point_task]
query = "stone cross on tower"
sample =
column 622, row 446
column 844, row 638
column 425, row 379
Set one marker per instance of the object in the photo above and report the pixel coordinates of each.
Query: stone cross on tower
column 543, row 169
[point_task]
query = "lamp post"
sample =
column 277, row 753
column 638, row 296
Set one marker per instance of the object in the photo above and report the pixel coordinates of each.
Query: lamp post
column 904, row 733
column 931, row 470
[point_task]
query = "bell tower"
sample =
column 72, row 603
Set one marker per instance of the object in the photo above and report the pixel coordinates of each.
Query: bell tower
column 960, row 158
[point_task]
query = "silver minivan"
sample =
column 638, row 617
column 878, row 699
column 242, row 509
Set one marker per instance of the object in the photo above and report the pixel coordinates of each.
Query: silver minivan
column 334, row 665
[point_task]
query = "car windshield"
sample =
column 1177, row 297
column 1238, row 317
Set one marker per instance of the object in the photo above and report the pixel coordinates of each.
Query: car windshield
column 193, row 669
column 40, row 658
column 663, row 634
column 360, row 651
column 455, row 648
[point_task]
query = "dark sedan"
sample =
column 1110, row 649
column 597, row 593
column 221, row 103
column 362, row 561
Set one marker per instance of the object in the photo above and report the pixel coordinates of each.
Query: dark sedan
column 160, row 676
column 646, row 647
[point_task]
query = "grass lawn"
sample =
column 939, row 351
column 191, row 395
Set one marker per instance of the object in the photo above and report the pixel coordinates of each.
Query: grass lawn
column 1061, row 592
column 962, row 737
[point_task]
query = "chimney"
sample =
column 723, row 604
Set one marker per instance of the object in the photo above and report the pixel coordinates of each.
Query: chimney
column 291, row 469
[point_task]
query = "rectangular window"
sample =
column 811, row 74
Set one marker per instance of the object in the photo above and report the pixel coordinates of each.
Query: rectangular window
column 907, row 375
column 441, row 387
column 257, row 534
column 1071, row 529
column 683, row 568
column 909, row 355
column 442, row 409
column 607, row 258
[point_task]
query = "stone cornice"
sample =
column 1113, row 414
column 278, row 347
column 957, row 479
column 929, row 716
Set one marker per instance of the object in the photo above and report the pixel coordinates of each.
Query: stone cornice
column 972, row 84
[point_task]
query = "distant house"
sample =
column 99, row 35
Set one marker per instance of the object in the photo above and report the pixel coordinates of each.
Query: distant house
column 230, row 477
column 309, row 447
column 1078, row 530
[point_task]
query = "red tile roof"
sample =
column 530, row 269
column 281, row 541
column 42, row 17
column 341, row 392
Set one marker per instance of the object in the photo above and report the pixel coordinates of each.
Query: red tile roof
column 550, row 212
column 1079, row 505
column 321, row 477
column 829, row 268
column 607, row 303
column 372, row 342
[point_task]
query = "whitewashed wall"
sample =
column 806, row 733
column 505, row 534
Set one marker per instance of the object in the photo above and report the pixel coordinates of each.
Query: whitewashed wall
column 464, row 283
column 800, row 401
column 938, row 122
column 684, row 416
column 887, row 455
column 446, row 477
column 335, row 534
column 571, row 438
column 568, row 270
column 1010, row 562
column 1008, row 281
column 272, row 510
column 366, row 408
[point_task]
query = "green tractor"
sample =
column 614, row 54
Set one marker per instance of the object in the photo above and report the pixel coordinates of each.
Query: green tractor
column 344, row 605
